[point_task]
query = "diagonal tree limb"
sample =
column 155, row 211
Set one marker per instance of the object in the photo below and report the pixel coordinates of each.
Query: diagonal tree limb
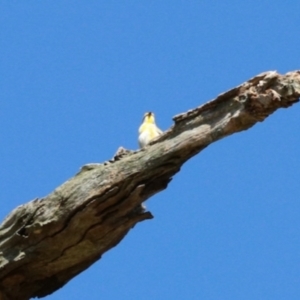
column 48, row 241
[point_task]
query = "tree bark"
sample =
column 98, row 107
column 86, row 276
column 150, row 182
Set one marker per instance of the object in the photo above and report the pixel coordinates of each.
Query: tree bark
column 48, row 241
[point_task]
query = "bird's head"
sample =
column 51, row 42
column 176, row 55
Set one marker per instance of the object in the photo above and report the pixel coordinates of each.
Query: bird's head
column 149, row 117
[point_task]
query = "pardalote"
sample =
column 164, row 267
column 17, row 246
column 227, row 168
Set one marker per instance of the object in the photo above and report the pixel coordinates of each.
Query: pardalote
column 148, row 130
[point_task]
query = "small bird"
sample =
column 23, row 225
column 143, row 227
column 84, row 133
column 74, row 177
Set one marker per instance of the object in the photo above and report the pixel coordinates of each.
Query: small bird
column 148, row 130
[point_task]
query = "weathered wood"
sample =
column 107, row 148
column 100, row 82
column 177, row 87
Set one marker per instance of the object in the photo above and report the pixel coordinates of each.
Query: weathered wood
column 48, row 241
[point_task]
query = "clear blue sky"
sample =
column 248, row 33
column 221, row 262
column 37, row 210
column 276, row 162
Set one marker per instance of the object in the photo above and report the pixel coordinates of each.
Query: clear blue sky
column 76, row 78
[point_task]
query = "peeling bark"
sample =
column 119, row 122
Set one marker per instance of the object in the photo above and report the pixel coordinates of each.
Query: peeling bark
column 48, row 241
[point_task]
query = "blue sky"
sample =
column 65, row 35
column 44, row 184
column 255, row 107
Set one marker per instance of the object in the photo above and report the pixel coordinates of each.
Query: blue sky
column 76, row 78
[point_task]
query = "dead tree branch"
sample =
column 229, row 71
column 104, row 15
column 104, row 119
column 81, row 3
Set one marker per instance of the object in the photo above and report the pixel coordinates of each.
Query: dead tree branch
column 48, row 241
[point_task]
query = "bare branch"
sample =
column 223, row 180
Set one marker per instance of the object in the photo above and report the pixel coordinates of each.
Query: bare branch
column 48, row 241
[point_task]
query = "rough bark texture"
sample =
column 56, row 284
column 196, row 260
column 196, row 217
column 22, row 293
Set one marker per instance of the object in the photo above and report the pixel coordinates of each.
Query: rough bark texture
column 48, row 241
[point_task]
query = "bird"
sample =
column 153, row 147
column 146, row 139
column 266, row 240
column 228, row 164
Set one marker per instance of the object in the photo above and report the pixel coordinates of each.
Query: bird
column 148, row 130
